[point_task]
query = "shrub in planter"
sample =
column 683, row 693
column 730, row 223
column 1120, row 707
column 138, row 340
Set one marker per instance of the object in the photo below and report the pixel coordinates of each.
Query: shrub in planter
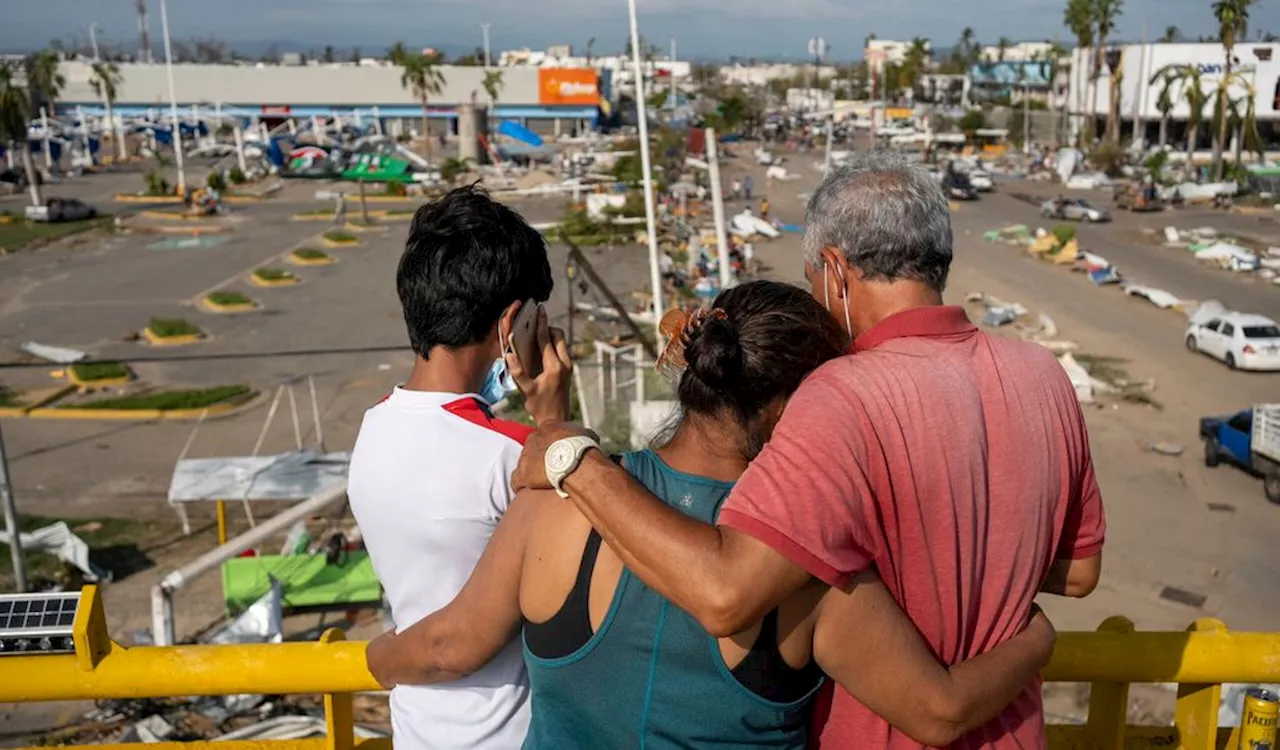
column 273, row 274
column 1065, row 233
column 171, row 327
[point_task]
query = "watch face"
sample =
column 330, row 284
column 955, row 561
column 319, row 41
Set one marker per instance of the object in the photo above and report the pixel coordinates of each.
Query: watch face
column 560, row 457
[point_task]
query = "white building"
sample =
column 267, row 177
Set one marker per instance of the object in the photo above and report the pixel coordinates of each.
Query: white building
column 1258, row 65
column 878, row 52
column 761, row 75
column 1020, row 52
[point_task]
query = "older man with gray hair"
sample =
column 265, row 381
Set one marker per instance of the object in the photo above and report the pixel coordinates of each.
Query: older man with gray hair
column 954, row 463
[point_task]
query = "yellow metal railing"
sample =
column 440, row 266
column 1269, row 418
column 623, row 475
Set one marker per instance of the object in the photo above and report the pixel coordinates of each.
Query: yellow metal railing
column 1199, row 660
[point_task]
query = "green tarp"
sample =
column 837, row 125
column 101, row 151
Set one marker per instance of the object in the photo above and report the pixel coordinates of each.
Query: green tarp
column 379, row 168
column 308, row 580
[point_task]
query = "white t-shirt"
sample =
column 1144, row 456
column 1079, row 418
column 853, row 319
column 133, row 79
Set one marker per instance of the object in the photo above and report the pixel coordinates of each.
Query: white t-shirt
column 429, row 480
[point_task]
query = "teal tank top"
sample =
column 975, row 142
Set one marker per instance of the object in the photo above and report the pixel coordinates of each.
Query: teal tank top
column 651, row 677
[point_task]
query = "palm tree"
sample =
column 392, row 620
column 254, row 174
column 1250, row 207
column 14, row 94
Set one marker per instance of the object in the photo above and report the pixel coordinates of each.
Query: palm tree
column 15, row 106
column 1002, row 47
column 1105, row 14
column 492, row 85
column 1078, row 18
column 1167, row 78
column 913, row 66
column 1248, row 124
column 1192, row 92
column 1171, row 34
column 1233, row 24
column 44, row 80
column 423, row 75
column 106, row 82
column 397, row 54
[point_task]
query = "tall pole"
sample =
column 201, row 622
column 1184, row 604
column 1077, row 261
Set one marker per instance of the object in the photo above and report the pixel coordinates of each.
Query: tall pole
column 655, row 275
column 11, row 524
column 93, row 40
column 1139, row 98
column 826, row 161
column 484, row 29
column 673, row 73
column 173, row 97
column 48, row 150
column 717, row 207
column 1026, row 117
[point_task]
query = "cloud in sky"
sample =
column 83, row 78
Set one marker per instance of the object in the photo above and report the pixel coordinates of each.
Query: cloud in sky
column 709, row 28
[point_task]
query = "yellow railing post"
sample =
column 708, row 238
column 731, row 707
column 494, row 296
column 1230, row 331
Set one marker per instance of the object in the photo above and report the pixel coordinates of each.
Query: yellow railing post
column 339, row 717
column 1109, row 701
column 1196, row 714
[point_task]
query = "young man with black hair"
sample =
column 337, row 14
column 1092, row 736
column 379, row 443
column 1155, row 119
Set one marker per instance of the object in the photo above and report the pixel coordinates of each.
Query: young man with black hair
column 430, row 471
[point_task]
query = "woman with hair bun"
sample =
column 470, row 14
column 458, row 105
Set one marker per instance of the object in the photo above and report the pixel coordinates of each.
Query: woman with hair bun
column 612, row 664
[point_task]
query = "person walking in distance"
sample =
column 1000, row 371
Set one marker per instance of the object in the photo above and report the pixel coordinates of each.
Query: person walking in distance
column 965, row 531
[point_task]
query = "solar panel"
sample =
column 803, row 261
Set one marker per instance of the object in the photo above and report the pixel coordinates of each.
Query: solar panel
column 37, row 623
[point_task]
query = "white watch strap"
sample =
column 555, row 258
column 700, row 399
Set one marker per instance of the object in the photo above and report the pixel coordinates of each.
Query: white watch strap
column 580, row 445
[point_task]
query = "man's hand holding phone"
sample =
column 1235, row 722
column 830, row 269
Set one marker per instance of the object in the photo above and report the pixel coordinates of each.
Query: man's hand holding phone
column 545, row 379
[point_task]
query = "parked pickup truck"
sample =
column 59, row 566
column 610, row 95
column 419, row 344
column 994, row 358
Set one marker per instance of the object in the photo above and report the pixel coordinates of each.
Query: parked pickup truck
column 1249, row 439
column 61, row 209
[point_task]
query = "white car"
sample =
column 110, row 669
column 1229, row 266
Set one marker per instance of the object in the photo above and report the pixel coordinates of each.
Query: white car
column 981, row 181
column 1242, row 340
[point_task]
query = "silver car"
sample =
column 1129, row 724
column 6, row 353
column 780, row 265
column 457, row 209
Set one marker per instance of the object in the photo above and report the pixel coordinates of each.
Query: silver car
column 1073, row 209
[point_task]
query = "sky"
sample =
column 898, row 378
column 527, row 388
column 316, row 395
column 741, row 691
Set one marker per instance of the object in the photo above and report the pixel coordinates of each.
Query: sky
column 704, row 29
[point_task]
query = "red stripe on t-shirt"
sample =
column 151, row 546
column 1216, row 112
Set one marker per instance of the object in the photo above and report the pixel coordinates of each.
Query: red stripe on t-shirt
column 478, row 414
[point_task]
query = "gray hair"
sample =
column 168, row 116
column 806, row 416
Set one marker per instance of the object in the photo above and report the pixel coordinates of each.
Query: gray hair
column 887, row 215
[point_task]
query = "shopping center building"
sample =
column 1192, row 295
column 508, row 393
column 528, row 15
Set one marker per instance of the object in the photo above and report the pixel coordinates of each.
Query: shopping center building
column 549, row 100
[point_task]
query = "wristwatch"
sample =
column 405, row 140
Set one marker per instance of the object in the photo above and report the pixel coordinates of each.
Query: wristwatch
column 563, row 457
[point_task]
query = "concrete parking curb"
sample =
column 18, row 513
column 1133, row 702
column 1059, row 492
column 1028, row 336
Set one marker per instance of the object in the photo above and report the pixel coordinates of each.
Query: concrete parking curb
column 210, row 306
column 334, row 243
column 273, row 283
column 183, row 340
column 154, row 199
column 293, row 259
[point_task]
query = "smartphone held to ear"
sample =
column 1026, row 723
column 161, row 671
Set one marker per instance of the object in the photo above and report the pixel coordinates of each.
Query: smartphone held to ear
column 523, row 340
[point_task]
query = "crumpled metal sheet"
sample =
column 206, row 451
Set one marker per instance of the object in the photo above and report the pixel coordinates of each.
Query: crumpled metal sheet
column 58, row 540
column 287, row 476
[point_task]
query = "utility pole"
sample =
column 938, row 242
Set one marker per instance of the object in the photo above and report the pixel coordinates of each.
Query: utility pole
column 11, row 524
column 673, row 73
column 173, row 97
column 484, row 29
column 144, row 36
column 655, row 275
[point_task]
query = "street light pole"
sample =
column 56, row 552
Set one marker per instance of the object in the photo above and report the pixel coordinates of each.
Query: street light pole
column 173, row 97
column 93, row 40
column 655, row 276
column 484, row 29
column 11, row 524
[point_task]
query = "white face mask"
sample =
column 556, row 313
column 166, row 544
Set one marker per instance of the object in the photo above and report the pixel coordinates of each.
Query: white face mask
column 826, row 300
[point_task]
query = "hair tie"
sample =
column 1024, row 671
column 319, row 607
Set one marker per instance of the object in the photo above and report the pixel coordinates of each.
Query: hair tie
column 679, row 327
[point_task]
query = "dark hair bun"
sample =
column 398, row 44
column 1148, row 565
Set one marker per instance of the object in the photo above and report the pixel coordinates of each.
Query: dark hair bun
column 714, row 353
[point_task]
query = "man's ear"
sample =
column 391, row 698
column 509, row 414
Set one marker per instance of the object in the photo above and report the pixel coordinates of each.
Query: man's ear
column 835, row 263
column 506, row 320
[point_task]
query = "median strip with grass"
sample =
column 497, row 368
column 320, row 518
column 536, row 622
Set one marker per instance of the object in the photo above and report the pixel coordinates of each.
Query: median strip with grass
column 273, row 277
column 198, row 398
column 227, row 302
column 171, row 332
column 309, row 256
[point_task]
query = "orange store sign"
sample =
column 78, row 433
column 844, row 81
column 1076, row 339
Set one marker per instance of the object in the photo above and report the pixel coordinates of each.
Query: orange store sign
column 568, row 86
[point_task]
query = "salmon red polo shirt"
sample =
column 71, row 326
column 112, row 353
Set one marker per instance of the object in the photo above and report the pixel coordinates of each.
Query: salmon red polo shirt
column 955, row 462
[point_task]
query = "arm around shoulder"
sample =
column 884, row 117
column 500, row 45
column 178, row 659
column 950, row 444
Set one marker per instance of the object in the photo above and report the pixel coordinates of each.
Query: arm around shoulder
column 466, row 634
